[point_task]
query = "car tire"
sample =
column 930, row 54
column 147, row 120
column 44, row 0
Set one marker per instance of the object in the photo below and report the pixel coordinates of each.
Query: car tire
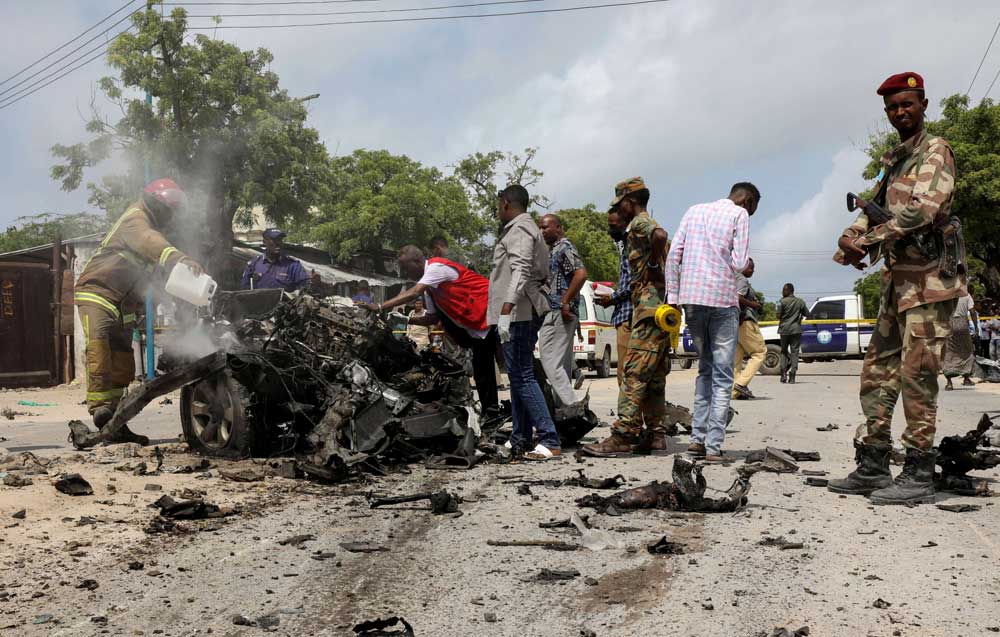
column 214, row 418
column 772, row 361
column 603, row 366
column 687, row 363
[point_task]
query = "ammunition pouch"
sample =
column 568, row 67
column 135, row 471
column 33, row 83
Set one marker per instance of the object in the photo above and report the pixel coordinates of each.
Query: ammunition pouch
column 951, row 248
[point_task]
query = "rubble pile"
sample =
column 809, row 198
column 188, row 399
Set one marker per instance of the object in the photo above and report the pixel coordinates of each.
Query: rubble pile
column 327, row 382
column 957, row 455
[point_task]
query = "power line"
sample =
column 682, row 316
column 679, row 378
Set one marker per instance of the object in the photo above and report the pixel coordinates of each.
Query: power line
column 985, row 53
column 51, row 64
column 63, row 46
column 367, row 11
column 431, row 18
column 990, row 89
column 28, row 89
column 263, row 4
column 78, row 66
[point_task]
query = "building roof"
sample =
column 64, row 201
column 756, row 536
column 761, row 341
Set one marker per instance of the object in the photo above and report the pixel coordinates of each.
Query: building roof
column 46, row 249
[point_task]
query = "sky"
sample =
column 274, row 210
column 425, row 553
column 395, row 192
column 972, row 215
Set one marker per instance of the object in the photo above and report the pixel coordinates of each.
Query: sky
column 692, row 95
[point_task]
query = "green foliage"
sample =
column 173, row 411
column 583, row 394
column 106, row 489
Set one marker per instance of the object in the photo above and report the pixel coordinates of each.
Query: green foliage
column 974, row 135
column 870, row 289
column 36, row 230
column 587, row 229
column 770, row 310
column 220, row 125
column 376, row 200
column 485, row 174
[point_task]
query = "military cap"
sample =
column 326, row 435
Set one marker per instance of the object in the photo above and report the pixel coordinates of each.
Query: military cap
column 900, row 82
column 627, row 187
column 274, row 233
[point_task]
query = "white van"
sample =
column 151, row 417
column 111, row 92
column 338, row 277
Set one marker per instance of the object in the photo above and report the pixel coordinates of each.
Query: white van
column 598, row 349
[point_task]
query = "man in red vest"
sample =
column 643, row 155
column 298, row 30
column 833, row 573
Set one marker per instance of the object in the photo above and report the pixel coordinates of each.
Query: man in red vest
column 457, row 297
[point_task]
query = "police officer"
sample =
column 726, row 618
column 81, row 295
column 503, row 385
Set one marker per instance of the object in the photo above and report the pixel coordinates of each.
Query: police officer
column 920, row 287
column 275, row 270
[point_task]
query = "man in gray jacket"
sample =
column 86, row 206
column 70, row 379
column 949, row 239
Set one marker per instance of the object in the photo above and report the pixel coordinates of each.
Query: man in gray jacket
column 517, row 302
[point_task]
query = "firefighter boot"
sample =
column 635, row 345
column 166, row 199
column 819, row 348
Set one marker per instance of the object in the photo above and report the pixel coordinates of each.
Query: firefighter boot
column 915, row 485
column 872, row 472
column 101, row 416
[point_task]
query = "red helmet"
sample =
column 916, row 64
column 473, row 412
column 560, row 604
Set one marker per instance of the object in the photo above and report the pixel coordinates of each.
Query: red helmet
column 164, row 198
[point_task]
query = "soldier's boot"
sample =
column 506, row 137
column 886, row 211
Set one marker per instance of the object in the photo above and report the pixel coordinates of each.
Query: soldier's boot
column 614, row 446
column 914, row 485
column 784, row 376
column 791, row 378
column 872, row 472
column 652, row 443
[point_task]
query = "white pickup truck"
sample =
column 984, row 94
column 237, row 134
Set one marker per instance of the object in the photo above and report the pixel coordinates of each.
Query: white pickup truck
column 837, row 330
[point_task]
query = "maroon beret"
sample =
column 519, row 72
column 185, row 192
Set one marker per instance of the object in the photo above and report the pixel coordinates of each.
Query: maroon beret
column 908, row 81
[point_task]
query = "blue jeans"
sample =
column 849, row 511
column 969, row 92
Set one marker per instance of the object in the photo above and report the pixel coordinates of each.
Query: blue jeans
column 526, row 400
column 714, row 331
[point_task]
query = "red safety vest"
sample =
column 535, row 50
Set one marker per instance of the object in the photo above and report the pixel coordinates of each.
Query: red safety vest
column 464, row 300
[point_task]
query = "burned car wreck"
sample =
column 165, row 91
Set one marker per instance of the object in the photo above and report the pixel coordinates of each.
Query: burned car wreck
column 325, row 381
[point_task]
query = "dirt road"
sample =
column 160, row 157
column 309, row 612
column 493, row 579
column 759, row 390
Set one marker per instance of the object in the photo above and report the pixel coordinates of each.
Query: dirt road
column 934, row 571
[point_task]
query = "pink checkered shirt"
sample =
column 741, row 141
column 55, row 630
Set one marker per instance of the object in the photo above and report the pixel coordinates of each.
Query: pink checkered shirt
column 710, row 247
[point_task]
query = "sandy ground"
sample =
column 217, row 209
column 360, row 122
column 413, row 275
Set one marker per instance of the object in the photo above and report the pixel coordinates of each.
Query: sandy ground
column 936, row 570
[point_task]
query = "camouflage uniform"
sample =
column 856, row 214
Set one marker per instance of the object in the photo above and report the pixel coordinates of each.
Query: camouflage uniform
column 917, row 298
column 643, row 391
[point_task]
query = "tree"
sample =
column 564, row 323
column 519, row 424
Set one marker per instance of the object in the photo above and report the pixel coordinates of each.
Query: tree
column 769, row 311
column 587, row 229
column 869, row 288
column 220, row 125
column 974, row 135
column 485, row 174
column 28, row 232
column 376, row 200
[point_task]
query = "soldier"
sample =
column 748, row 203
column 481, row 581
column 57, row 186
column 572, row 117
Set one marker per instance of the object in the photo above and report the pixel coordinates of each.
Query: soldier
column 921, row 281
column 643, row 392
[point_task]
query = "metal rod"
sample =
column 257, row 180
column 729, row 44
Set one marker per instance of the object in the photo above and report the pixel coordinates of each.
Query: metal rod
column 150, row 315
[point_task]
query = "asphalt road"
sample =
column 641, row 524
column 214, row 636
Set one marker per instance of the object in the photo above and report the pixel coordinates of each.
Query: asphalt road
column 934, row 571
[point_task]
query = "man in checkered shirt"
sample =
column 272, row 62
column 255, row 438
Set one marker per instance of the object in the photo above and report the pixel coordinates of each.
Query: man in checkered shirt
column 621, row 298
column 710, row 247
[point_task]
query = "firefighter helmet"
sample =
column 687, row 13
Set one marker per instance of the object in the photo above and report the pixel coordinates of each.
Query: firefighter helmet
column 164, row 198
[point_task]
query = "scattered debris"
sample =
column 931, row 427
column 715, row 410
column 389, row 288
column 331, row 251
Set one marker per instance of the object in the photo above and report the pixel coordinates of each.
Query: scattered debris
column 930, row 544
column 362, row 547
column 152, row 486
column 881, row 603
column 665, row 547
column 189, row 509
column 594, row 539
column 297, row 540
column 829, row 427
column 88, row 584
column 555, row 575
column 580, row 480
column 243, row 620
column 166, row 401
column 785, row 632
column 246, row 474
column 73, row 484
column 555, row 545
column 959, row 508
column 781, row 543
column 17, row 480
column 817, row 482
column 19, row 514
column 490, row 617
column 377, row 628
column 957, row 455
column 685, row 493
column 42, row 619
column 441, row 501
column 812, row 472
column 773, row 460
column 31, row 403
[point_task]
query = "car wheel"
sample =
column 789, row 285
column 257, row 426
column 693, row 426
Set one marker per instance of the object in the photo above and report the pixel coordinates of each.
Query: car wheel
column 603, row 366
column 687, row 363
column 772, row 361
column 214, row 419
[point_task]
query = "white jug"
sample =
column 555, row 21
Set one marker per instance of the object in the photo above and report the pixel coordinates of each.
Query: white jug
column 196, row 290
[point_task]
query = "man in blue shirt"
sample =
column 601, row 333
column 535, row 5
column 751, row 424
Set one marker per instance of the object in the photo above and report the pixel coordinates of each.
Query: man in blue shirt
column 275, row 270
column 364, row 293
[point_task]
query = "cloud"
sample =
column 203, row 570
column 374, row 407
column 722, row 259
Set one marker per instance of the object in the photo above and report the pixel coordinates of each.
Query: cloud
column 797, row 245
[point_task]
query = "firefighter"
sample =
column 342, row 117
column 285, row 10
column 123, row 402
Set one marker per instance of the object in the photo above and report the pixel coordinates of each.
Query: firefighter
column 111, row 289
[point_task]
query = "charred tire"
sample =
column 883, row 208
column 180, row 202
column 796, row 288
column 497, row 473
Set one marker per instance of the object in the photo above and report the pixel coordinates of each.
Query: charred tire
column 687, row 363
column 214, row 418
column 772, row 361
column 603, row 366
